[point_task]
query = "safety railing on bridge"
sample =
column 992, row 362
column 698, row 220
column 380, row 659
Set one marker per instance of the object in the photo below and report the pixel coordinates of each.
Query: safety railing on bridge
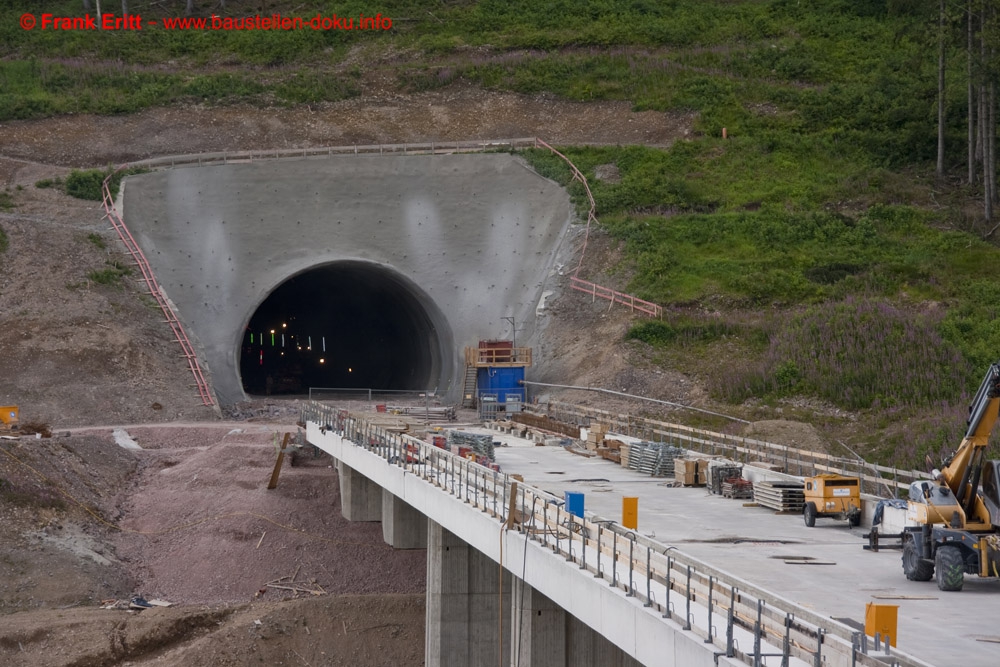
column 875, row 479
column 755, row 625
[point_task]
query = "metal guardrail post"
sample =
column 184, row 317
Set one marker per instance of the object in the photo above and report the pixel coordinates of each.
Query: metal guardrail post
column 756, row 634
column 666, row 603
column 494, row 494
column 730, row 622
column 545, row 524
column 818, row 656
column 558, row 523
column 786, row 643
column 570, row 527
column 598, row 572
column 631, row 562
column 614, row 559
column 711, row 587
column 687, row 608
column 649, row 578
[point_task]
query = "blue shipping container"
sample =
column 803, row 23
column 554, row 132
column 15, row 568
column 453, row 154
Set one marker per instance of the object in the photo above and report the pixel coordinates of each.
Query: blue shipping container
column 502, row 381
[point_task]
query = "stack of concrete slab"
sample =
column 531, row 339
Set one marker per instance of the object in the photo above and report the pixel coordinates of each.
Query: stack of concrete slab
column 779, row 496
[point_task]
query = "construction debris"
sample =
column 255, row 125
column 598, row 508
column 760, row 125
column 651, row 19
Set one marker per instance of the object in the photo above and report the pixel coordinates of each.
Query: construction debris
column 289, row 584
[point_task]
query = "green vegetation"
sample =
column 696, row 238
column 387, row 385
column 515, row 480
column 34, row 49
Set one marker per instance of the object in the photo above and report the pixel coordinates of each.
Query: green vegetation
column 6, row 201
column 112, row 275
column 87, row 183
column 4, row 242
column 97, row 240
column 50, row 183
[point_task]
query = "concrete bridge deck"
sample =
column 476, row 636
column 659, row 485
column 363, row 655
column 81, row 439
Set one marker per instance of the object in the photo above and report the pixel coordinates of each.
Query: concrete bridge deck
column 674, row 599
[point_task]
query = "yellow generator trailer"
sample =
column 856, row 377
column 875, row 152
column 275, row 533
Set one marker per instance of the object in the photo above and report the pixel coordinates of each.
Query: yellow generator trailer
column 8, row 417
column 833, row 496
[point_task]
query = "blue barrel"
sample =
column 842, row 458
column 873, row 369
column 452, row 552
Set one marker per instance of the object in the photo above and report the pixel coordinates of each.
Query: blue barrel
column 574, row 503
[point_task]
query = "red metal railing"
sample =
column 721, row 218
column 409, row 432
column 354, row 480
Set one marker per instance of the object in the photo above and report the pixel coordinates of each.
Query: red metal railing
column 595, row 290
column 634, row 303
column 154, row 289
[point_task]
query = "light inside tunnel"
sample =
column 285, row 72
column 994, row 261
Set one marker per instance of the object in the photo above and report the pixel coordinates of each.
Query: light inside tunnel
column 377, row 329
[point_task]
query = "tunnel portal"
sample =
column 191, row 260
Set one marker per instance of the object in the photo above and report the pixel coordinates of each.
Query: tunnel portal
column 343, row 325
column 397, row 261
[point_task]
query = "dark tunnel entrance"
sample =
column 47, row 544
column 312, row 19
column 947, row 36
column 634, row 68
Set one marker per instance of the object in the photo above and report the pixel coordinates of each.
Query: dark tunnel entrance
column 345, row 325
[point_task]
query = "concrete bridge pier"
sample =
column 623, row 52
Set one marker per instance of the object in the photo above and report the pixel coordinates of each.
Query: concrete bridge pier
column 545, row 635
column 467, row 610
column 360, row 498
column 403, row 527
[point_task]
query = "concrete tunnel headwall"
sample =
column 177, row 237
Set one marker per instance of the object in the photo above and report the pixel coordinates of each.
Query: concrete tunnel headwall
column 394, row 263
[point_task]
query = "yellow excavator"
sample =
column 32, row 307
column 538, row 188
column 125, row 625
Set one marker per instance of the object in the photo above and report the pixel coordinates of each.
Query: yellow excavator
column 954, row 521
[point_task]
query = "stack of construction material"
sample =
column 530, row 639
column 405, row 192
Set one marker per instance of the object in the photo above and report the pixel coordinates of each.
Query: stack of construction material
column 595, row 435
column 690, row 472
column 429, row 413
column 780, row 496
column 720, row 472
column 654, row 458
column 480, row 444
column 737, row 487
column 611, row 450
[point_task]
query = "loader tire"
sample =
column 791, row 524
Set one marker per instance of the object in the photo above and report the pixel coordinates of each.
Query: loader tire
column 809, row 514
column 914, row 567
column 950, row 567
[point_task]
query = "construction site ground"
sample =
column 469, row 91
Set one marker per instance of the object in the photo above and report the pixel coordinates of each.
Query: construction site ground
column 186, row 519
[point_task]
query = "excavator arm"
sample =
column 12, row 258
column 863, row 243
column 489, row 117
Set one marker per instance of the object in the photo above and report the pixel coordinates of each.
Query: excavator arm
column 962, row 474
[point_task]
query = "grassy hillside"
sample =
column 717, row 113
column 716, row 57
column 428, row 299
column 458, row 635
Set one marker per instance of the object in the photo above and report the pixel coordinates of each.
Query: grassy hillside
column 811, row 255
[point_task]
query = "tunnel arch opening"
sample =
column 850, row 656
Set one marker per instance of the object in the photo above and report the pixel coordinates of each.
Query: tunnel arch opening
column 347, row 324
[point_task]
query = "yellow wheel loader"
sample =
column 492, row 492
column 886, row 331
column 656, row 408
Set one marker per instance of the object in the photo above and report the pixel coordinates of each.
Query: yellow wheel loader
column 954, row 520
